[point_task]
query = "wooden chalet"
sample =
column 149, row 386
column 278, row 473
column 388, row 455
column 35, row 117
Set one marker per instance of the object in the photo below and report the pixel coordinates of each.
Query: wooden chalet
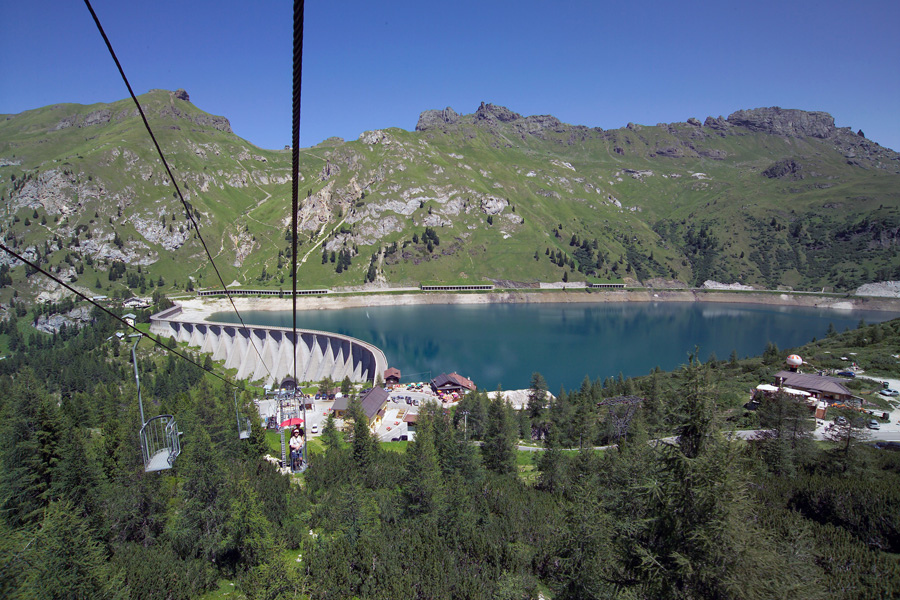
column 454, row 382
column 820, row 387
column 340, row 407
column 392, row 376
column 373, row 404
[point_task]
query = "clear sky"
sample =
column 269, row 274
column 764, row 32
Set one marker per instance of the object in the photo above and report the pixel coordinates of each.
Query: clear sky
column 370, row 64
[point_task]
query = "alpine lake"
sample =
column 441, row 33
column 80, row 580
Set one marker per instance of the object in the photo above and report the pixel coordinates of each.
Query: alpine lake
column 503, row 344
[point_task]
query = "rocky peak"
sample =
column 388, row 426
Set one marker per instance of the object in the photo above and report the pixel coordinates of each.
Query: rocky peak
column 182, row 95
column 544, row 122
column 436, row 118
column 719, row 123
column 786, row 122
column 490, row 112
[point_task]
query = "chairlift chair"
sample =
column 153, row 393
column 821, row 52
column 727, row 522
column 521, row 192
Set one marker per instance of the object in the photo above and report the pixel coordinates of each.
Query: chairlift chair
column 244, row 428
column 160, row 443
column 243, row 423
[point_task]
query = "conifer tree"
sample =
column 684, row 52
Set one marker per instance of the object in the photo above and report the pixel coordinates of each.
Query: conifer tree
column 422, row 489
column 29, row 434
column 499, row 449
column 364, row 445
column 537, row 395
column 330, row 434
column 66, row 561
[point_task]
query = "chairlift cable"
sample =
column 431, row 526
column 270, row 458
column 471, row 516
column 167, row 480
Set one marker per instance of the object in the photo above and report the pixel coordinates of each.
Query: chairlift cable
column 295, row 169
column 172, row 177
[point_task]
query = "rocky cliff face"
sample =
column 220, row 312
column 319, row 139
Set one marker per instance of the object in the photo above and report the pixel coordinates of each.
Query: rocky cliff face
column 786, row 122
column 430, row 119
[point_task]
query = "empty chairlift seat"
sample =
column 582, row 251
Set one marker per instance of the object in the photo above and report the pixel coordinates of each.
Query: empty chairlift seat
column 243, row 428
column 160, row 443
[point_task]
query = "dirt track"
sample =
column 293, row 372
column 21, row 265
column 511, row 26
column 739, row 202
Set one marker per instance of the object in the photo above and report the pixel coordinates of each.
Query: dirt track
column 196, row 308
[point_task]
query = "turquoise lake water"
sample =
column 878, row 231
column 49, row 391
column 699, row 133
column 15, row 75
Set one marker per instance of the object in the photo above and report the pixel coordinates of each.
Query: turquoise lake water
column 505, row 343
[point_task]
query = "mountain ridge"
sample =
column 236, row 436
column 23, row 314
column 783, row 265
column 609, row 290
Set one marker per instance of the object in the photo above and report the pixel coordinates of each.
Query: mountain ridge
column 769, row 196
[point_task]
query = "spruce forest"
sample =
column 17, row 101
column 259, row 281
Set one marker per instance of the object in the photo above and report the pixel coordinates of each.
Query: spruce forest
column 673, row 509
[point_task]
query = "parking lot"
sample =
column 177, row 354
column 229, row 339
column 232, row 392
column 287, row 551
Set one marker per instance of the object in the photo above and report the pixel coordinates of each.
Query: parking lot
column 402, row 402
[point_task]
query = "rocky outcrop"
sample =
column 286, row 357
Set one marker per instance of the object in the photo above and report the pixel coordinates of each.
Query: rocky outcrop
column 713, row 153
column 493, row 206
column 719, row 123
column 436, row 118
column 670, row 151
column 885, row 289
column 57, row 191
column 786, row 122
column 77, row 317
column 709, row 284
column 492, row 112
column 786, row 168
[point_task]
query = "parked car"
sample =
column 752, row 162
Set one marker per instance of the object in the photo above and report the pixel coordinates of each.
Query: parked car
column 314, row 429
column 841, row 421
column 847, row 374
column 873, row 424
column 894, row 446
column 889, row 392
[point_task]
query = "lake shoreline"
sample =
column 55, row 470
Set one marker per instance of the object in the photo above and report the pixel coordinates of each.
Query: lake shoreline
column 203, row 308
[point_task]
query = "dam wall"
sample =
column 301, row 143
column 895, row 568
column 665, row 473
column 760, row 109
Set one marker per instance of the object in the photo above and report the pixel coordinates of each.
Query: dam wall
column 267, row 353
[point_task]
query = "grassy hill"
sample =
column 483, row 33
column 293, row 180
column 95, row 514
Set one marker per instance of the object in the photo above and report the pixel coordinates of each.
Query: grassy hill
column 766, row 197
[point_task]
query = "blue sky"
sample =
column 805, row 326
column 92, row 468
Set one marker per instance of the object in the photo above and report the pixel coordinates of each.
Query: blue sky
column 370, row 65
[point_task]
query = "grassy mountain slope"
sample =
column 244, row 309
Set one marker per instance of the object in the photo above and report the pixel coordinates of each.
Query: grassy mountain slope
column 766, row 197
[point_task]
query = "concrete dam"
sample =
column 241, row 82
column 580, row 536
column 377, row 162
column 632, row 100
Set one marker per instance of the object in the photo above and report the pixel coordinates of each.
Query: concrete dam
column 267, row 353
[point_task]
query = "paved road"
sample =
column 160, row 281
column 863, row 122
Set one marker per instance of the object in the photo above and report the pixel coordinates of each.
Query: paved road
column 875, row 435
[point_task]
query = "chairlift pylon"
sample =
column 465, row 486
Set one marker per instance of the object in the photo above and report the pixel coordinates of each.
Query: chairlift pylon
column 160, row 441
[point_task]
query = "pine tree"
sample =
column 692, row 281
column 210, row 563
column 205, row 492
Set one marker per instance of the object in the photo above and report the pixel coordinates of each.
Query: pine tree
column 499, row 450
column 66, row 561
column 785, row 441
column 364, row 445
column 198, row 526
column 330, row 434
column 422, row 490
column 29, row 434
column 537, row 395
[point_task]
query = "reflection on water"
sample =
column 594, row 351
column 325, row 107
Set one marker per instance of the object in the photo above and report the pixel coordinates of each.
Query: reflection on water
column 505, row 343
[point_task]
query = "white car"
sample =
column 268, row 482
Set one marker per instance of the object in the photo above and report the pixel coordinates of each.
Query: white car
column 889, row 392
column 314, row 429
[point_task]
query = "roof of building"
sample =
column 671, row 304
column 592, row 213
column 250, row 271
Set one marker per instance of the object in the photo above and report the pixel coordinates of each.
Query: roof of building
column 817, row 383
column 374, row 401
column 443, row 380
column 410, row 417
column 463, row 381
column 392, row 372
column 340, row 404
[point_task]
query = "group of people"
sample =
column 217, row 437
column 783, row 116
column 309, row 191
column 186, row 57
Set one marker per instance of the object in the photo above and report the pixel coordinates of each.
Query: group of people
column 296, row 445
